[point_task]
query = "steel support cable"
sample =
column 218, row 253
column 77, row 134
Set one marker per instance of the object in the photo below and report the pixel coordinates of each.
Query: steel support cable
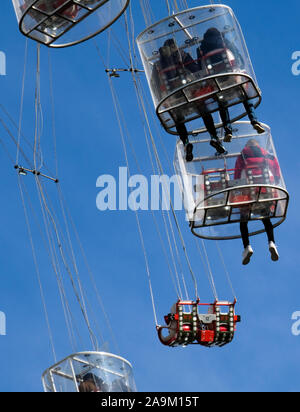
column 60, row 242
column 91, row 276
column 12, row 121
column 12, row 160
column 6, row 151
column 176, row 282
column 139, row 94
column 30, row 165
column 159, row 163
column 63, row 211
column 163, row 215
column 60, row 247
column 140, row 97
column 177, row 287
column 37, row 151
column 136, row 214
column 53, row 113
column 117, row 110
column 73, row 259
column 207, row 264
column 168, row 7
column 147, row 12
column 69, row 318
column 50, row 248
column 176, row 6
column 58, row 272
column 226, row 270
column 141, row 105
column 22, row 101
column 37, row 106
column 37, row 270
column 171, row 204
column 210, row 274
column 208, row 267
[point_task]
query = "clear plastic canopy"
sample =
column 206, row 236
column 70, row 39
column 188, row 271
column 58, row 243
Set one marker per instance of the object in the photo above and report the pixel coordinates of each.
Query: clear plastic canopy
column 244, row 185
column 90, row 372
column 62, row 23
column 196, row 62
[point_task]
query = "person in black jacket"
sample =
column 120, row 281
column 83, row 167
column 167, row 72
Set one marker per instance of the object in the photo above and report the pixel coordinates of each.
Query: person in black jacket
column 176, row 66
column 214, row 40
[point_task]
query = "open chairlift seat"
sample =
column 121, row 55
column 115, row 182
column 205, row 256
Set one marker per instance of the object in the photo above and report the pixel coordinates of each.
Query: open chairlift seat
column 186, row 326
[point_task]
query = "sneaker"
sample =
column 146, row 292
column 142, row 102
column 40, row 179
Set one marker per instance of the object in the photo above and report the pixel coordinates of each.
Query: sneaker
column 258, row 127
column 247, row 254
column 274, row 252
column 228, row 136
column 218, row 146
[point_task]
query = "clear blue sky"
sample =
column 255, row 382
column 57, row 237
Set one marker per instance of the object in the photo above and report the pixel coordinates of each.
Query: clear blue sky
column 264, row 355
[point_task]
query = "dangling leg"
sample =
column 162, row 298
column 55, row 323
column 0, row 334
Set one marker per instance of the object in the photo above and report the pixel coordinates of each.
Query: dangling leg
column 183, row 134
column 249, row 107
column 211, row 128
column 248, row 251
column 224, row 114
column 270, row 233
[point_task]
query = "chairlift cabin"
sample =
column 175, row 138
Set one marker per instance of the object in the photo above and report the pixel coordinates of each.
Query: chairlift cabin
column 62, row 23
column 90, row 372
column 189, row 74
column 221, row 191
column 188, row 325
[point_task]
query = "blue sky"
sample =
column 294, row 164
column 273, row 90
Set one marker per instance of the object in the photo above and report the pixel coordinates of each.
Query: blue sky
column 264, row 355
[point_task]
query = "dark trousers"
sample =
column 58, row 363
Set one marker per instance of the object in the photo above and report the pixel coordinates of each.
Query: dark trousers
column 183, row 133
column 208, row 123
column 269, row 230
column 249, row 107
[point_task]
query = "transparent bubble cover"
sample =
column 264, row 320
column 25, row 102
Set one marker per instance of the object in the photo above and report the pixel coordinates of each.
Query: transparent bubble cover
column 196, row 61
column 111, row 373
column 246, row 184
column 62, row 23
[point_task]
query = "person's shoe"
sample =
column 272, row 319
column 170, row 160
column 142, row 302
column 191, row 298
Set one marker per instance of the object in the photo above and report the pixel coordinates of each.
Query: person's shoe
column 258, row 127
column 247, row 254
column 274, row 252
column 228, row 136
column 189, row 152
column 218, row 146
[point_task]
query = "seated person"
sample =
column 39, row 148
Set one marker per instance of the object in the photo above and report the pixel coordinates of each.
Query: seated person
column 92, row 383
column 174, row 67
column 256, row 158
column 213, row 40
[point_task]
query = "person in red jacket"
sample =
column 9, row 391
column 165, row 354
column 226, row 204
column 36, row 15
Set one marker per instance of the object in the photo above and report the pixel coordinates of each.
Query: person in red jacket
column 251, row 163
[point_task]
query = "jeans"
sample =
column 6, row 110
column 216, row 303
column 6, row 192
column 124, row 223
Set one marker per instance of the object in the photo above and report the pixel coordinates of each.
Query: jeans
column 249, row 107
